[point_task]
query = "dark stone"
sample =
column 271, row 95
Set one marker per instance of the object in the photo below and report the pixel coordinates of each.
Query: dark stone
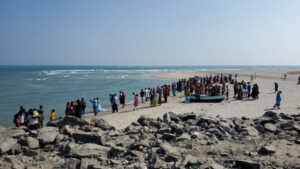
column 67, row 120
column 267, row 150
column 104, row 125
column 187, row 116
column 89, row 137
column 271, row 114
column 247, row 164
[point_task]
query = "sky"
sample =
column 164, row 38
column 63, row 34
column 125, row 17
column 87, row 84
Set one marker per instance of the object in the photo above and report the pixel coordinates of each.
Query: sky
column 152, row 32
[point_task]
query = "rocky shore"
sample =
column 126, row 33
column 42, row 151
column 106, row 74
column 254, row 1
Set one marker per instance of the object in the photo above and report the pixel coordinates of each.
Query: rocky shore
column 175, row 141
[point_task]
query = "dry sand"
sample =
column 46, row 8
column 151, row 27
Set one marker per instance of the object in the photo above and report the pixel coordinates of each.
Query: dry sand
column 228, row 108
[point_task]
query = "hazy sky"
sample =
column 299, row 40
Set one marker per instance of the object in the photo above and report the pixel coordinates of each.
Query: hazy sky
column 152, row 32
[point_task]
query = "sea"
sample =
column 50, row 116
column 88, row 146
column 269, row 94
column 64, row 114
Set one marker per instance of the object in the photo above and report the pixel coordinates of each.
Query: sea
column 54, row 86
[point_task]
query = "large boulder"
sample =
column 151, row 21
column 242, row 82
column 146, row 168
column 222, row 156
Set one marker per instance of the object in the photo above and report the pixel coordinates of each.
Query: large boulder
column 89, row 137
column 187, row 116
column 7, row 144
column 17, row 132
column 67, row 120
column 47, row 135
column 272, row 115
column 86, row 150
column 32, row 143
column 104, row 125
column 270, row 127
column 247, row 164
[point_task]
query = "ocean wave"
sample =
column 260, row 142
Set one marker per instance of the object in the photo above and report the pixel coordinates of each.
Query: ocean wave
column 41, row 79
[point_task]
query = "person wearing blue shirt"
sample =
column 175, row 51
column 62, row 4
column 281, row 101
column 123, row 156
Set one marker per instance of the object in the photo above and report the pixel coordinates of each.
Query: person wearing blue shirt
column 95, row 105
column 278, row 100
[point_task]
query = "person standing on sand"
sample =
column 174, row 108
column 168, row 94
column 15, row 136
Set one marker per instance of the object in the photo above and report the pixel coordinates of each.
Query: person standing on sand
column 99, row 108
column 83, row 106
column 278, row 100
column 142, row 94
column 299, row 79
column 136, row 102
column 95, row 105
column 115, row 103
column 276, row 86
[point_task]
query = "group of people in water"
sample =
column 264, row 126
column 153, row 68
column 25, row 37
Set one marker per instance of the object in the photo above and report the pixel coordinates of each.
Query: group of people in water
column 33, row 118
column 209, row 85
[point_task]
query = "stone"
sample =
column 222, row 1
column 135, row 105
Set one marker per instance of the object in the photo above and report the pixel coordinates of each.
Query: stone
column 251, row 131
column 166, row 118
column 270, row 127
column 247, row 164
column 286, row 116
column 158, row 163
column 86, row 163
column 47, row 135
column 2, row 129
column 191, row 162
column 144, row 120
column 267, row 150
column 89, row 137
column 169, row 136
column 67, row 120
column 32, row 143
column 30, row 153
column 174, row 117
column 168, row 149
column 116, row 151
column 67, row 130
column 272, row 115
column 104, row 125
column 216, row 166
column 187, row 116
column 17, row 132
column 171, row 158
column 86, row 150
column 7, row 144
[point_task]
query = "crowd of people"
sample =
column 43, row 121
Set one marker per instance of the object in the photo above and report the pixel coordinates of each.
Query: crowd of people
column 75, row 108
column 209, row 85
column 33, row 118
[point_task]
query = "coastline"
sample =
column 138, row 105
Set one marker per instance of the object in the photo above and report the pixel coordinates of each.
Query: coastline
column 228, row 108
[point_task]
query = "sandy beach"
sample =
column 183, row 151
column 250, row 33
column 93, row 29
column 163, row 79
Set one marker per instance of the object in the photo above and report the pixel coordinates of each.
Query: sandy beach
column 228, row 108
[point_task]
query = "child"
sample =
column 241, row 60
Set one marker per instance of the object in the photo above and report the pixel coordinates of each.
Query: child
column 52, row 115
column 136, row 102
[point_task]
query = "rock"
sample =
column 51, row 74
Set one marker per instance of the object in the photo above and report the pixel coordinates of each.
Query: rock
column 30, row 153
column 2, row 129
column 174, row 117
column 216, row 166
column 168, row 149
column 47, row 135
column 86, row 163
column 247, row 164
column 187, row 116
column 17, row 132
column 86, row 150
column 267, row 150
column 67, row 130
column 286, row 116
column 208, row 120
column 169, row 136
column 116, row 151
column 191, row 162
column 158, row 163
column 144, row 120
column 7, row 144
column 166, row 118
column 171, row 158
column 89, row 137
column 32, row 143
column 270, row 127
column 249, row 130
column 67, row 120
column 104, row 125
column 272, row 115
